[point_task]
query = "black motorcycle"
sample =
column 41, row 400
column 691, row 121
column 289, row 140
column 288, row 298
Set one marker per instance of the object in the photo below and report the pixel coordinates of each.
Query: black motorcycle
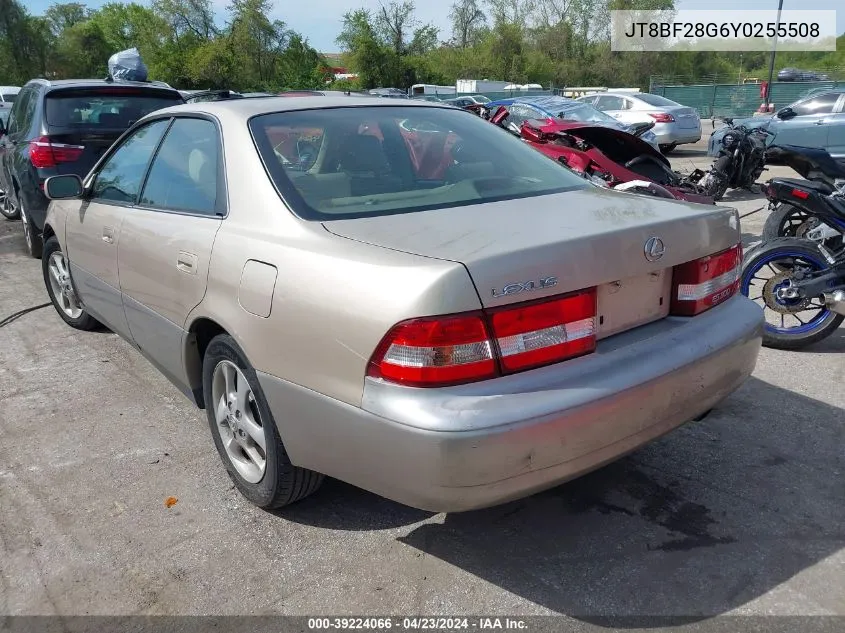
column 741, row 160
column 799, row 283
column 796, row 216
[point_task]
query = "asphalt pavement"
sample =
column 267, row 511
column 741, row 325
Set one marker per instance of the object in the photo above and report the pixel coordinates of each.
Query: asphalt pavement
column 742, row 513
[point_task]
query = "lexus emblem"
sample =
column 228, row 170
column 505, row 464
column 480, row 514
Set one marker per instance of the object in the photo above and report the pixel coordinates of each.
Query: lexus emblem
column 654, row 249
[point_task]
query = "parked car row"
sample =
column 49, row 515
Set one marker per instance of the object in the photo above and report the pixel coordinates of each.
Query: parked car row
column 485, row 323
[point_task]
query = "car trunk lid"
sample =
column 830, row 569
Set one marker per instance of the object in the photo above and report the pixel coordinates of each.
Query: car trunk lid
column 686, row 117
column 547, row 245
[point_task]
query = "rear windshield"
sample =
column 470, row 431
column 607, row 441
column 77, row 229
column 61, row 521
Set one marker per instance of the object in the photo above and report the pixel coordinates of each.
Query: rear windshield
column 350, row 162
column 9, row 97
column 655, row 100
column 104, row 108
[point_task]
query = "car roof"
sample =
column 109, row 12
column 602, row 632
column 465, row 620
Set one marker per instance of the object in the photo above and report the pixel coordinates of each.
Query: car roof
column 247, row 108
column 10, row 88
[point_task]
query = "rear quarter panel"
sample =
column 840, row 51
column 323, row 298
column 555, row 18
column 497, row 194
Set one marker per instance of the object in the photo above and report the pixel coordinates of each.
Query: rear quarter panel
column 334, row 298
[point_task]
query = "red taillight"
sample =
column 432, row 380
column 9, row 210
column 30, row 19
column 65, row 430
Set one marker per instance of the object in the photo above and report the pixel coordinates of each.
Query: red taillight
column 701, row 284
column 797, row 193
column 450, row 350
column 43, row 152
column 545, row 332
column 435, row 351
column 661, row 117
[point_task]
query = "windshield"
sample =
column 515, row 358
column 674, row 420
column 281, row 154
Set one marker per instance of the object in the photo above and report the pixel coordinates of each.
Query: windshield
column 340, row 163
column 655, row 100
column 104, row 108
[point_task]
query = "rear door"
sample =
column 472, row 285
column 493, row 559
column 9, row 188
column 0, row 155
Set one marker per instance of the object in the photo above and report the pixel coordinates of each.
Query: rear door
column 166, row 240
column 614, row 105
column 92, row 233
column 85, row 121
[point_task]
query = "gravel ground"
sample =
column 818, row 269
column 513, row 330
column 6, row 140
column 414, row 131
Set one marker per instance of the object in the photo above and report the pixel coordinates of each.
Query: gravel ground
column 741, row 513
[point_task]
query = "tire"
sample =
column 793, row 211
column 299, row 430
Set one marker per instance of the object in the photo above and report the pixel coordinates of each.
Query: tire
column 786, row 220
column 62, row 300
column 34, row 243
column 7, row 209
column 715, row 186
column 780, row 255
column 280, row 483
column 667, row 149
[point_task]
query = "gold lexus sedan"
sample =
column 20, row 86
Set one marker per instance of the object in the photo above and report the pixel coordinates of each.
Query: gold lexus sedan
column 399, row 295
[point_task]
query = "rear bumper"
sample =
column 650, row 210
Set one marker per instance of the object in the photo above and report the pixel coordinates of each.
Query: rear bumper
column 479, row 445
column 670, row 133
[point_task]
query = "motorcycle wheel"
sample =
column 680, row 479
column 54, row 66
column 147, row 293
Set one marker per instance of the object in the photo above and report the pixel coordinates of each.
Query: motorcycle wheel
column 715, row 186
column 790, row 323
column 789, row 221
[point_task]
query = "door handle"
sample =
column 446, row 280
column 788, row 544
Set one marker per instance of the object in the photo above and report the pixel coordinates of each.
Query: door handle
column 108, row 235
column 187, row 263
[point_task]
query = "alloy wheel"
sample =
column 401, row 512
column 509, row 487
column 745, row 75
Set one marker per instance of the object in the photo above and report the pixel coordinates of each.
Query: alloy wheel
column 7, row 208
column 62, row 287
column 239, row 421
column 27, row 229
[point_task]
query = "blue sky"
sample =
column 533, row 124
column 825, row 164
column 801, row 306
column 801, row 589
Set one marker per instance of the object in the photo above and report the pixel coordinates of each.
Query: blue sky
column 319, row 20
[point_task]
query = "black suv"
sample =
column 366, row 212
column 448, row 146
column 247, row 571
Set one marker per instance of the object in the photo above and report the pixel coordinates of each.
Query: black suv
column 63, row 127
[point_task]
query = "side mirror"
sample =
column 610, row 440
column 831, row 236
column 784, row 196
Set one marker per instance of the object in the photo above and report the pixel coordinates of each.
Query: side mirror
column 63, row 187
column 786, row 113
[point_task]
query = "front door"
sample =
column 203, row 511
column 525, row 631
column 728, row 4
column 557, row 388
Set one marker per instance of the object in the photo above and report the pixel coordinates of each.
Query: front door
column 92, row 230
column 808, row 128
column 166, row 241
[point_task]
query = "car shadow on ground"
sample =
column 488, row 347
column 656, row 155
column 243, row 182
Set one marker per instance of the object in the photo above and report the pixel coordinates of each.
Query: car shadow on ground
column 705, row 520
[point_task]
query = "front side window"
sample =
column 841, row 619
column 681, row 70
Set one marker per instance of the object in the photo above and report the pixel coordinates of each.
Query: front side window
column 421, row 159
column 184, row 174
column 817, row 105
column 120, row 177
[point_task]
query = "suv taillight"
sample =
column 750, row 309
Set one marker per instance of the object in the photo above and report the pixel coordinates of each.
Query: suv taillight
column 701, row 284
column 455, row 349
column 44, row 152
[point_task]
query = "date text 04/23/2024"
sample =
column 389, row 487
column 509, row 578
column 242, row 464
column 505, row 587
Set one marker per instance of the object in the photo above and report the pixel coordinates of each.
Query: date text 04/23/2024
column 417, row 623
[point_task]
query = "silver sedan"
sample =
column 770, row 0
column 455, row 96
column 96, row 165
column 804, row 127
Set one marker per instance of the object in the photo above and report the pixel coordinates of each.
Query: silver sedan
column 398, row 295
column 674, row 124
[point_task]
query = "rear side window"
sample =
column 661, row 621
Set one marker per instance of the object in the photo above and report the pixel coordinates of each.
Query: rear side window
column 184, row 174
column 21, row 115
column 9, row 97
column 103, row 108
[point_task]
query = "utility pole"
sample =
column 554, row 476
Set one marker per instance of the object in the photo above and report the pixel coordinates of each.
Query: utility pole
column 772, row 60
